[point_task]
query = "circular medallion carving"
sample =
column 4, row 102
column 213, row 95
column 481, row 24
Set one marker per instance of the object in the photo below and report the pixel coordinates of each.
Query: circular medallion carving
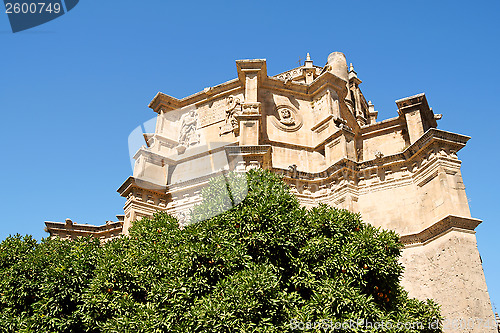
column 287, row 118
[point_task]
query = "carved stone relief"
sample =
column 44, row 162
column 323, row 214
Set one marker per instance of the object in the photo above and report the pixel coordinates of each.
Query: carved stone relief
column 188, row 135
column 233, row 105
column 287, row 119
column 290, row 75
column 212, row 112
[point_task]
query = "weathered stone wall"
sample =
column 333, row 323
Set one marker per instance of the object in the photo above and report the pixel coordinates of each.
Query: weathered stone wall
column 448, row 269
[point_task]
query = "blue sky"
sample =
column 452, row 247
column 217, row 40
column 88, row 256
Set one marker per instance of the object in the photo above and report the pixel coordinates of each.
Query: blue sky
column 73, row 89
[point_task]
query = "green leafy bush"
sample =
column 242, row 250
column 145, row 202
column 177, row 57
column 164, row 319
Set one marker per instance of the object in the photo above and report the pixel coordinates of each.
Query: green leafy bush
column 41, row 285
column 267, row 265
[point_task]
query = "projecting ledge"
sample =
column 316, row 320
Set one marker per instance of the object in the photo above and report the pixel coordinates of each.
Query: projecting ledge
column 441, row 227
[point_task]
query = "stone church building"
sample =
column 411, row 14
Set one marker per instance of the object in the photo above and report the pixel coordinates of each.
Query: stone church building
column 313, row 125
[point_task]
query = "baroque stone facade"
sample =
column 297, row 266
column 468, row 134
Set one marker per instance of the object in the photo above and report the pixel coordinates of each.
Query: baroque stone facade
column 313, row 125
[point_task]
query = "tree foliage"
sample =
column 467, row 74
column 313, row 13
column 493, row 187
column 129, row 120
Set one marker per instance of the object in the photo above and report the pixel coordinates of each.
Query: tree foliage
column 266, row 265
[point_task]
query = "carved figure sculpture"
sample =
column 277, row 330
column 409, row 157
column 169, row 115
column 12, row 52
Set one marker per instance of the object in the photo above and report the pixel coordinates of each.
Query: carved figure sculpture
column 231, row 124
column 188, row 135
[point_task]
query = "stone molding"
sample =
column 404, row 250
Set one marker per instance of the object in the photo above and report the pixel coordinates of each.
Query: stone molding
column 107, row 231
column 417, row 102
column 439, row 228
column 432, row 136
column 344, row 177
column 187, row 185
column 168, row 103
column 298, row 72
column 173, row 159
column 132, row 182
column 164, row 102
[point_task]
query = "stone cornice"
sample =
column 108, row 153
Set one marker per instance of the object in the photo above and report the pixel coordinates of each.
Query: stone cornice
column 439, row 228
column 307, row 91
column 152, row 157
column 144, row 205
column 449, row 138
column 248, row 150
column 327, row 78
column 300, row 68
column 291, row 87
column 174, row 159
column 344, row 130
column 404, row 104
column 251, row 65
column 133, row 182
column 168, row 103
column 433, row 135
column 322, row 122
column 417, row 102
column 193, row 183
column 161, row 138
column 342, row 164
column 381, row 126
column 84, row 228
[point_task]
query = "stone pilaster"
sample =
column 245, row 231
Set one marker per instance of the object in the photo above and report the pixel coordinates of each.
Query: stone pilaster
column 417, row 114
column 250, row 73
column 250, row 123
